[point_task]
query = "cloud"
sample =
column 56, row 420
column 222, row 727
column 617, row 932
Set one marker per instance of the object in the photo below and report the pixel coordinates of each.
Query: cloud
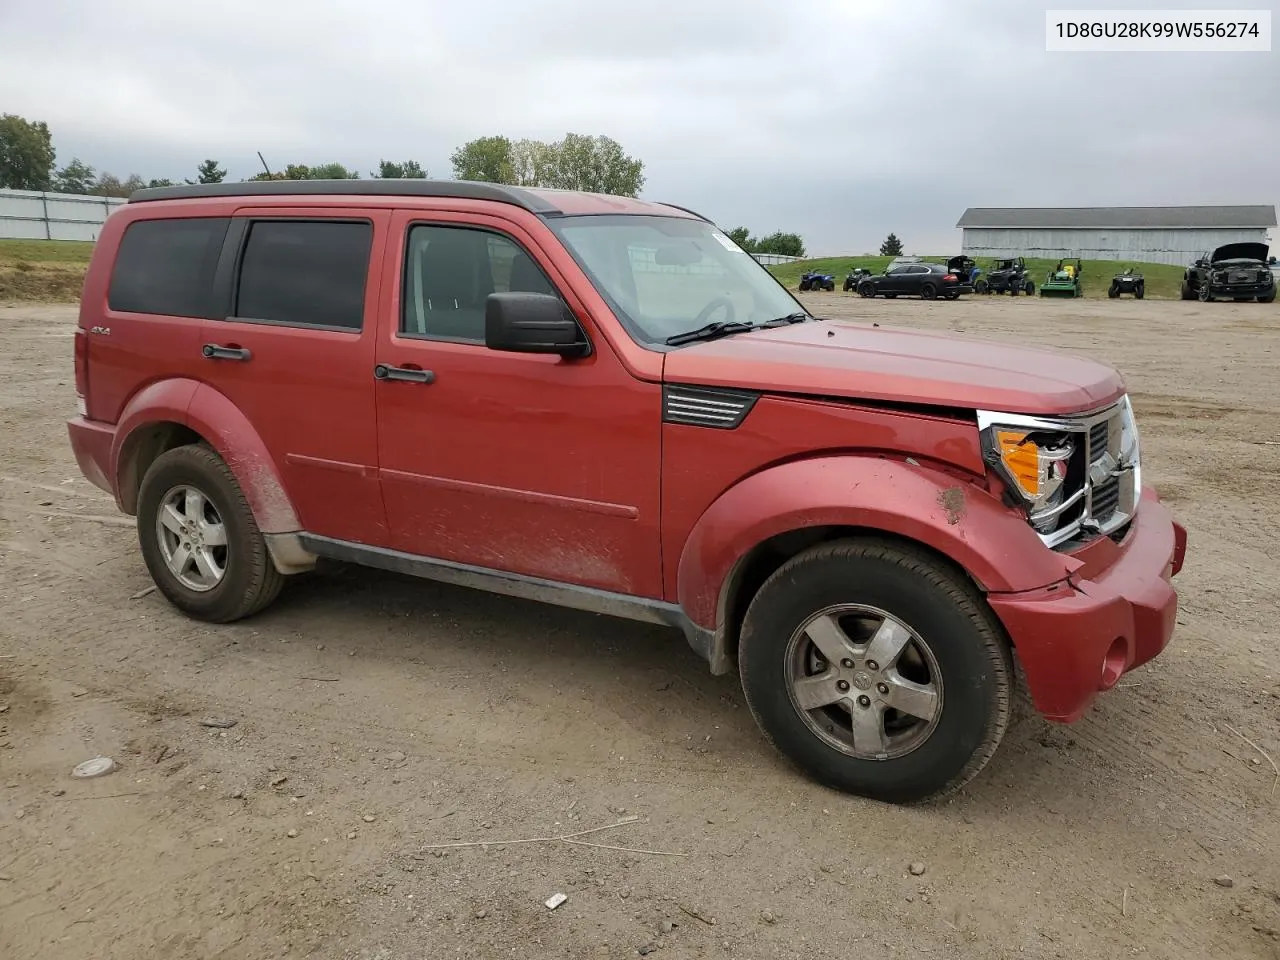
column 842, row 120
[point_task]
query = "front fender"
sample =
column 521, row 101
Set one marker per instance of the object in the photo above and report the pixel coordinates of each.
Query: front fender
column 215, row 418
column 958, row 519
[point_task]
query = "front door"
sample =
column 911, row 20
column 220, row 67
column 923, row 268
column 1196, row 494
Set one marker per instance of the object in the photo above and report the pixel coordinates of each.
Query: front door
column 293, row 355
column 524, row 463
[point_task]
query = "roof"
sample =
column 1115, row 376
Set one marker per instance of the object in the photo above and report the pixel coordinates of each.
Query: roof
column 537, row 200
column 1132, row 218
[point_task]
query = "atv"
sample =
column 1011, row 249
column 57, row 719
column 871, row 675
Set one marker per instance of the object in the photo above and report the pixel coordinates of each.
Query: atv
column 1130, row 281
column 1008, row 276
column 1063, row 280
column 855, row 277
column 812, row 280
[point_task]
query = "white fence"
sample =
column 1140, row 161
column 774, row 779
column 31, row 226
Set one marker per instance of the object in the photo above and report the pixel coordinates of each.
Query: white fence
column 33, row 215
column 775, row 258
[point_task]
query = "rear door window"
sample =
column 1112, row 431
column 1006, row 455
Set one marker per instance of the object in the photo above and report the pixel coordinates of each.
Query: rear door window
column 305, row 273
column 166, row 267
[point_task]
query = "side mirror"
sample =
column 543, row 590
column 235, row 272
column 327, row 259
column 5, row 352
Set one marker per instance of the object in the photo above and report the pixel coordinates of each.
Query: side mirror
column 519, row 322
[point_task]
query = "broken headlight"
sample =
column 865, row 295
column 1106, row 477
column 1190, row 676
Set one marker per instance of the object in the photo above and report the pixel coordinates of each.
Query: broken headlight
column 1036, row 466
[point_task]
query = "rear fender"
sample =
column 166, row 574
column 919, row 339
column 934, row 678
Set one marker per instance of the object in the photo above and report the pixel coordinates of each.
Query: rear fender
column 958, row 519
column 220, row 423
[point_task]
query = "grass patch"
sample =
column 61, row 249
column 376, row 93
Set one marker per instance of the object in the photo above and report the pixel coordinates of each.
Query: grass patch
column 1163, row 281
column 43, row 271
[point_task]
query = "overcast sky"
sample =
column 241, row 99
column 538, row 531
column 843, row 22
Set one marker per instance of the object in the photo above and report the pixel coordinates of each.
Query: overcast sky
column 837, row 119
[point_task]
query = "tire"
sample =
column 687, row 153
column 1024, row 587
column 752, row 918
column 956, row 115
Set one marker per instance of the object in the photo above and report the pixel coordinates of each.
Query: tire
column 928, row 291
column 1013, row 290
column 981, row 287
column 1113, row 291
column 1268, row 297
column 1187, row 293
column 867, row 290
column 249, row 580
column 954, row 649
column 1204, row 294
column 1139, row 291
column 847, row 286
column 1029, row 288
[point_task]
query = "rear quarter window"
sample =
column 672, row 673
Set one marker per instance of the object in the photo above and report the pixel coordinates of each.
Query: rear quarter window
column 166, row 267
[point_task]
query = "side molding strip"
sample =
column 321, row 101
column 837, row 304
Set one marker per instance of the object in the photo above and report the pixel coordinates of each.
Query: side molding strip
column 576, row 597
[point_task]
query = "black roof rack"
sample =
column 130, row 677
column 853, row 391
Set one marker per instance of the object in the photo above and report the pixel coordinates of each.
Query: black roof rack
column 461, row 189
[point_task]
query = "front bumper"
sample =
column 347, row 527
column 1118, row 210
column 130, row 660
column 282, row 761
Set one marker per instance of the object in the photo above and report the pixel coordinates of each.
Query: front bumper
column 1227, row 290
column 1116, row 612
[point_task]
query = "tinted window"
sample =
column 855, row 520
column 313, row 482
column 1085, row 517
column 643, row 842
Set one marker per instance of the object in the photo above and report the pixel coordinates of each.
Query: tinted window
column 305, row 273
column 166, row 267
column 449, row 271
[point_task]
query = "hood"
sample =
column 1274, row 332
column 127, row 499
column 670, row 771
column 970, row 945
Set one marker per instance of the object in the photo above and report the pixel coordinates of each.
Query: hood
column 1240, row 251
column 906, row 366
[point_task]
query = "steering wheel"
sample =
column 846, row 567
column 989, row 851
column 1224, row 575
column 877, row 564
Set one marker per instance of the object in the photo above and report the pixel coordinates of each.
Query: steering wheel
column 712, row 307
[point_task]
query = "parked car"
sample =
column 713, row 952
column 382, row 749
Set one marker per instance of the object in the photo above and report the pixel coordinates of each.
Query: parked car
column 854, row 277
column 1234, row 271
column 606, row 404
column 924, row 280
column 1009, row 275
column 815, row 280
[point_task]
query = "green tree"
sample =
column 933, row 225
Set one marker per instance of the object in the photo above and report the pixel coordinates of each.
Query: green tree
column 76, row 177
column 209, row 172
column 485, row 158
column 742, row 237
column 409, row 170
column 161, row 182
column 787, row 244
column 530, row 163
column 26, row 154
column 595, row 164
column 892, row 247
column 109, row 185
column 331, row 171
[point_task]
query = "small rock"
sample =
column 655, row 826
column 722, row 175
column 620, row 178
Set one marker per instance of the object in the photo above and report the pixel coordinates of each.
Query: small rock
column 555, row 900
column 145, row 592
column 647, row 949
column 395, row 756
column 916, row 869
column 368, row 818
column 237, row 794
column 219, row 723
column 277, row 781
column 667, row 926
column 768, row 917
column 292, row 833
column 351, row 835
column 97, row 767
column 46, row 503
column 481, row 914
column 1224, row 881
column 20, row 814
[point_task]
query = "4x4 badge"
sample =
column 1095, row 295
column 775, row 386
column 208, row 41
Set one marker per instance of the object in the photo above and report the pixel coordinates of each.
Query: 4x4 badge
column 105, row 331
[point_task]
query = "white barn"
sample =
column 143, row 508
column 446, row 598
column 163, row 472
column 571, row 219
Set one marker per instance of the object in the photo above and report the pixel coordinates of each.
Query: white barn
column 1174, row 235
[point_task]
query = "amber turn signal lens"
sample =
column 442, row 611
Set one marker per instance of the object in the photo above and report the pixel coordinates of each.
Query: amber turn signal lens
column 1021, row 458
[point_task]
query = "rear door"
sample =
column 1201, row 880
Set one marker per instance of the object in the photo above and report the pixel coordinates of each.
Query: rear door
column 294, row 352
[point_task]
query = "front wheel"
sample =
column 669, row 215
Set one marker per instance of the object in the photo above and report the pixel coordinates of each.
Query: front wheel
column 1139, row 291
column 199, row 538
column 867, row 290
column 876, row 669
column 1113, row 291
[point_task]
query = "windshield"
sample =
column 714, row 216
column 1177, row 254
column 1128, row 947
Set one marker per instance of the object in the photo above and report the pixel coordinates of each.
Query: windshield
column 666, row 275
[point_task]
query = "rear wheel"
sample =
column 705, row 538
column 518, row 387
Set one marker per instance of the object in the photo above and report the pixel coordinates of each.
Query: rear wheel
column 199, row 538
column 1029, row 287
column 928, row 291
column 877, row 670
column 981, row 287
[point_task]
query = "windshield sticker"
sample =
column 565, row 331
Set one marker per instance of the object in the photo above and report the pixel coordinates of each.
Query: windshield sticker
column 726, row 242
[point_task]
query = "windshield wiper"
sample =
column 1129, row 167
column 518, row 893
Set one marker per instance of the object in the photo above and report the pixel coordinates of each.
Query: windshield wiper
column 783, row 321
column 717, row 328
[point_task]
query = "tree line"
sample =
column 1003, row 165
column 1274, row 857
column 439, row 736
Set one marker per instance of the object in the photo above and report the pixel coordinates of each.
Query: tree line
column 575, row 162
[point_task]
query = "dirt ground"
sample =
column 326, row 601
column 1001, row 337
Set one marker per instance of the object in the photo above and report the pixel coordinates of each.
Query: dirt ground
column 378, row 715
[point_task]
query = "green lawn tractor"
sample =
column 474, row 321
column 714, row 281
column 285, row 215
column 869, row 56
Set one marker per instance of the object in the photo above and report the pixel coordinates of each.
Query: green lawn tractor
column 1063, row 280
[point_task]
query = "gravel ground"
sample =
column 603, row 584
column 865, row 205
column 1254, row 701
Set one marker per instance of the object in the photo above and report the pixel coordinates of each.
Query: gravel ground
column 378, row 716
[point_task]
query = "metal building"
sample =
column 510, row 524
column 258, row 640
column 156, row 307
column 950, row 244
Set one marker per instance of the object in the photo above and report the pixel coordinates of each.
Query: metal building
column 1174, row 235
column 32, row 215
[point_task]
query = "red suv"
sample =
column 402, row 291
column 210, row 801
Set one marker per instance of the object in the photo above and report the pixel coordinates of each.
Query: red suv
column 605, row 403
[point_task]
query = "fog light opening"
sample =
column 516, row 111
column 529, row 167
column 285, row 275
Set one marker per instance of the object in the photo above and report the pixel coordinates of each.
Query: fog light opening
column 1114, row 663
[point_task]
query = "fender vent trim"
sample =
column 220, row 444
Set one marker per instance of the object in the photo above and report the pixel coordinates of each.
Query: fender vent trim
column 713, row 407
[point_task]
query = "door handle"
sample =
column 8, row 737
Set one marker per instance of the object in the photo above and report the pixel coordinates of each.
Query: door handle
column 212, row 351
column 405, row 374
